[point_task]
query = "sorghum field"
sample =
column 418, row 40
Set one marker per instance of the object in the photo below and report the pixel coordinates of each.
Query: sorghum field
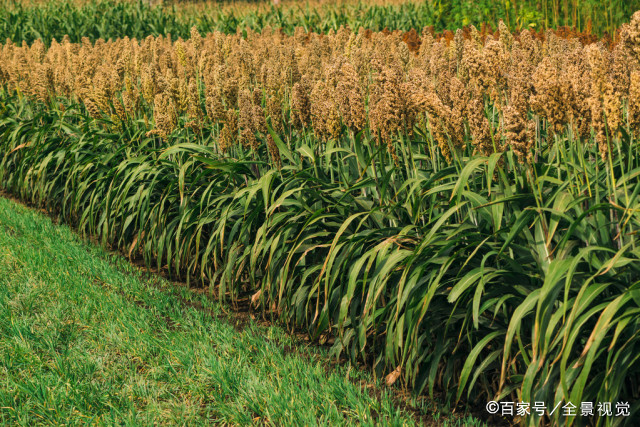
column 456, row 209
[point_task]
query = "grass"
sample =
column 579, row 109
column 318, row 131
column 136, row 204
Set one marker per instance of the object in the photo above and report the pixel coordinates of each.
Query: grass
column 86, row 338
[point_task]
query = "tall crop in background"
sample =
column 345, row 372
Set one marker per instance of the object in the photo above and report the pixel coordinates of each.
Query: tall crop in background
column 47, row 20
column 462, row 209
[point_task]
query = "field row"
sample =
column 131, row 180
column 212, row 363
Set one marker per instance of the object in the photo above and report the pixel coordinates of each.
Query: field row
column 46, row 20
column 483, row 93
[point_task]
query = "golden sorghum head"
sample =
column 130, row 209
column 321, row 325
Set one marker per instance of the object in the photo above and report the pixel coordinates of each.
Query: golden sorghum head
column 300, row 103
column 531, row 46
column 597, row 58
column 120, row 67
column 458, row 46
column 579, row 92
column 100, row 93
column 612, row 105
column 273, row 151
column 634, row 102
column 183, row 95
column 230, row 88
column 196, row 38
column 619, row 72
column 425, row 101
column 193, row 95
column 92, row 108
column 599, row 66
column 181, row 53
column 215, row 107
column 229, row 133
column 43, row 84
column 257, row 96
column 324, row 112
column 459, row 96
column 518, row 131
column 246, row 121
column 149, row 84
column 259, row 119
column 475, row 35
column 120, row 111
column 130, row 102
column 630, row 36
column 386, row 106
column 598, row 124
column 494, row 61
column 164, row 115
column 251, row 119
column 470, row 67
column 350, row 98
column 549, row 95
column 506, row 38
column 274, row 110
column 479, row 126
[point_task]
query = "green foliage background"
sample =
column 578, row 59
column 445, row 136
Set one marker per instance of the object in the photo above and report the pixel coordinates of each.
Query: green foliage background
column 112, row 19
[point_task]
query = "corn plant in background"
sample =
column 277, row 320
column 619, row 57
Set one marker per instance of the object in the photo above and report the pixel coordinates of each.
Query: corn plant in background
column 461, row 209
column 105, row 19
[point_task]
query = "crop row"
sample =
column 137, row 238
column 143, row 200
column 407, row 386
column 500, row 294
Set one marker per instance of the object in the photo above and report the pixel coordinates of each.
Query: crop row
column 472, row 92
column 47, row 20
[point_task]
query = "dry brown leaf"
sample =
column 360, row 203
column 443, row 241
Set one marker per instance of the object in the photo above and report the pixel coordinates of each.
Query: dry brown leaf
column 133, row 245
column 393, row 376
column 255, row 298
column 18, row 147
